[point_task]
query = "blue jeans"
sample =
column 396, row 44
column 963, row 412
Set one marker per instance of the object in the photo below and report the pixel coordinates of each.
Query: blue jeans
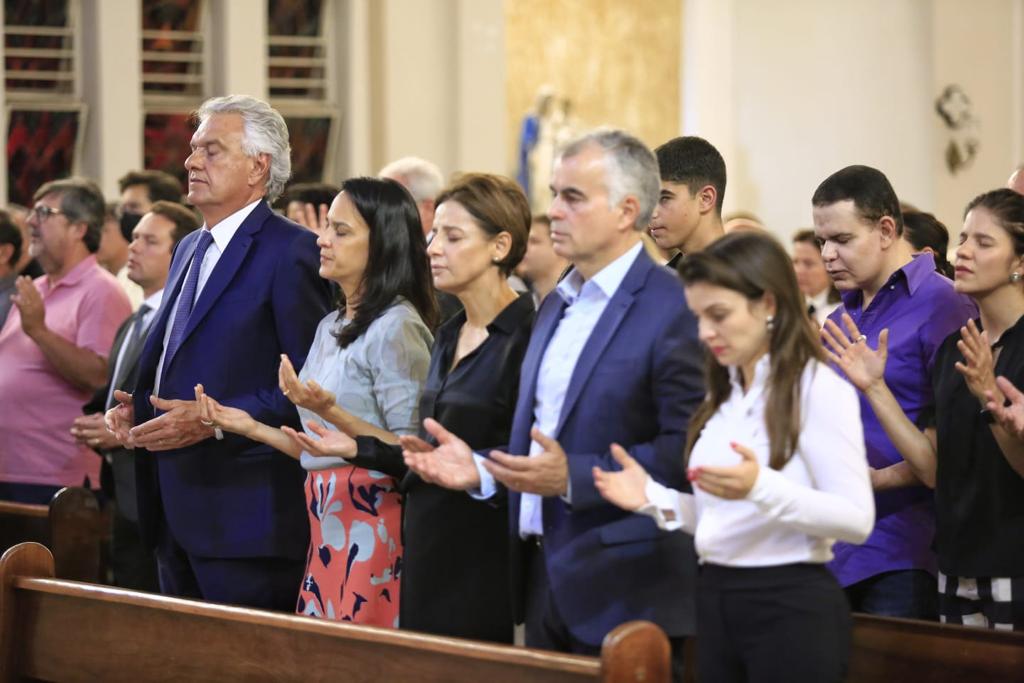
column 906, row 593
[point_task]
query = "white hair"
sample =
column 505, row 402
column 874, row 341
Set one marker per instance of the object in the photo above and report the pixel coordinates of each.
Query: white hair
column 264, row 132
column 422, row 178
column 630, row 169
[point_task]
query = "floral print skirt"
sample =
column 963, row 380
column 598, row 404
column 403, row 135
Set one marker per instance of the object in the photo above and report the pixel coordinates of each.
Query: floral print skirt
column 355, row 551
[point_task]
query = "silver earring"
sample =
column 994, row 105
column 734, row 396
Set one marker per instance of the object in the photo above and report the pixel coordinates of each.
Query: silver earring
column 1015, row 277
column 769, row 322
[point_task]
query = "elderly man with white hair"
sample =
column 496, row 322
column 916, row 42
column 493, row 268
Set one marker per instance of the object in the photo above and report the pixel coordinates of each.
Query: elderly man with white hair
column 226, row 515
column 424, row 181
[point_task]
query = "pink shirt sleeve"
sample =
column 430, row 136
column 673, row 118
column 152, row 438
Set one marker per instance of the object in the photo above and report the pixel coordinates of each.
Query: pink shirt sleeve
column 103, row 310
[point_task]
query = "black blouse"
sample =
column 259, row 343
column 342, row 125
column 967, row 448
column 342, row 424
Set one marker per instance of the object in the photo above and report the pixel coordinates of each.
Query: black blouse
column 455, row 572
column 979, row 497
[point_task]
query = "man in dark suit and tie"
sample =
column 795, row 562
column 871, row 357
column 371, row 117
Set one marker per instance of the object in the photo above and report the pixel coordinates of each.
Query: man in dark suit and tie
column 149, row 258
column 227, row 515
column 614, row 358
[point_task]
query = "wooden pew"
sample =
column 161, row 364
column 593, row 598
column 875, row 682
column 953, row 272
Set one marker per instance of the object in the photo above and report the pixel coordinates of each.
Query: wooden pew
column 72, row 525
column 886, row 649
column 56, row 630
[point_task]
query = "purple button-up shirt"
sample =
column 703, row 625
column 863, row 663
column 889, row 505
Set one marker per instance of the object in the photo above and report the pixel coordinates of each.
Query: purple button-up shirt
column 920, row 308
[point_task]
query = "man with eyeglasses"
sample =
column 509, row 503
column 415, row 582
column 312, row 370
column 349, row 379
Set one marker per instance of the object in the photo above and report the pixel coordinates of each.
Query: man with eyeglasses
column 54, row 345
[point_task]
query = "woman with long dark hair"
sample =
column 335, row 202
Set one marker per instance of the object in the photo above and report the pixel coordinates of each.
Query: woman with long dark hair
column 371, row 357
column 455, row 575
column 974, row 463
column 776, row 454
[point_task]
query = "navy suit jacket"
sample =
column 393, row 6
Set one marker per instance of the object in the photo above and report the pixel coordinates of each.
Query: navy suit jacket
column 637, row 382
column 234, row 497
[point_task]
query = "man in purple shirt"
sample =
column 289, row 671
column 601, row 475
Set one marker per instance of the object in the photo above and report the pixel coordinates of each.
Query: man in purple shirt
column 858, row 223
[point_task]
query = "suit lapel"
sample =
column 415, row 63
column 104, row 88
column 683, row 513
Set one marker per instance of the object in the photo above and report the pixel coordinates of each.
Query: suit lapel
column 547, row 322
column 607, row 325
column 227, row 266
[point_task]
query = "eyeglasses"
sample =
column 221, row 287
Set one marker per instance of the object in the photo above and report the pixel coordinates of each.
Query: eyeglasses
column 41, row 212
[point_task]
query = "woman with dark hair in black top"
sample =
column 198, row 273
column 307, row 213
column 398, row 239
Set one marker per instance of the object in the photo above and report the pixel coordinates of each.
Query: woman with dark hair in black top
column 455, row 574
column 975, row 464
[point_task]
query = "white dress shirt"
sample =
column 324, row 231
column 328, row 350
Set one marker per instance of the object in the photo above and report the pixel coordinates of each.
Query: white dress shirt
column 793, row 514
column 221, row 234
column 585, row 303
column 822, row 307
column 153, row 301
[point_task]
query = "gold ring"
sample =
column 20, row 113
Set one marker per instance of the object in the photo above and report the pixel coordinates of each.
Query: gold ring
column 208, row 423
column 285, row 392
column 861, row 338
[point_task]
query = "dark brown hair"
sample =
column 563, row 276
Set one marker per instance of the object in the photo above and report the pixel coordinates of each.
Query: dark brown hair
column 1007, row 207
column 185, row 219
column 755, row 264
column 497, row 205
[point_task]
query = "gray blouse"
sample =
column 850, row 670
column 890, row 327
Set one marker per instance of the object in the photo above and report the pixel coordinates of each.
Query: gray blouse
column 378, row 377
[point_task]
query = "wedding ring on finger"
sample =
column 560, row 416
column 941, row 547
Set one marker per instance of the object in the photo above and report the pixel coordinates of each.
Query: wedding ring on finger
column 207, row 423
column 861, row 338
column 285, row 392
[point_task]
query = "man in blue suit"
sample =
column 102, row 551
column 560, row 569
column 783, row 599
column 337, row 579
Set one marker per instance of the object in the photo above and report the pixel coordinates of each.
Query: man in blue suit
column 227, row 515
column 614, row 358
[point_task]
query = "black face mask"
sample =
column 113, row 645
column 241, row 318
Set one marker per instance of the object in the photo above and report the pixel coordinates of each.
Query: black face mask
column 128, row 223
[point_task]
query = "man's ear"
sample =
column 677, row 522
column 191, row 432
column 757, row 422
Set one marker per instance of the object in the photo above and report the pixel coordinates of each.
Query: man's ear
column 630, row 207
column 886, row 226
column 260, row 169
column 707, row 199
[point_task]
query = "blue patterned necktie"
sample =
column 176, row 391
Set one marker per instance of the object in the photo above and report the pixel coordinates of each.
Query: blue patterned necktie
column 183, row 307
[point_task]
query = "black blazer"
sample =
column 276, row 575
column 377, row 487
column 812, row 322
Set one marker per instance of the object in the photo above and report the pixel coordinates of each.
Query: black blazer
column 117, row 474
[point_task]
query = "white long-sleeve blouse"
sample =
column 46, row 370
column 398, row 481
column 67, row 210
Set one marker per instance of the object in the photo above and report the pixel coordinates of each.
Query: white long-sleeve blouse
column 790, row 515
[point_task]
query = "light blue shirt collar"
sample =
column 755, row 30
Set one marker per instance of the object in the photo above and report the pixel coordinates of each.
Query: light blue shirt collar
column 606, row 280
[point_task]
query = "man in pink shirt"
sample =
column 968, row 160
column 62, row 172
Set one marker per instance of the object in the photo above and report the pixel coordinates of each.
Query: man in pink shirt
column 54, row 345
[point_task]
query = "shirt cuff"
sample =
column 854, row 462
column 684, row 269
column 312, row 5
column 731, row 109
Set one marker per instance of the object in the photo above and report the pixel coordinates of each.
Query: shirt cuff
column 662, row 506
column 488, row 487
column 765, row 491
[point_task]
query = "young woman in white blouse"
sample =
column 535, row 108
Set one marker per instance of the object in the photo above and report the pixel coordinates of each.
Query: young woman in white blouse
column 776, row 454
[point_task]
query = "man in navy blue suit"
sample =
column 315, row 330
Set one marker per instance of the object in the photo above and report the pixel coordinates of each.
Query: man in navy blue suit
column 614, row 358
column 227, row 515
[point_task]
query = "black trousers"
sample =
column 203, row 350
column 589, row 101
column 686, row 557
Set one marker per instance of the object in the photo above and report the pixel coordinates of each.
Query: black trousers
column 132, row 561
column 788, row 623
column 546, row 629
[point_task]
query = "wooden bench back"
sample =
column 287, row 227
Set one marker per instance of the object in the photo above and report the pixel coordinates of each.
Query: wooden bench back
column 57, row 630
column 72, row 525
column 887, row 649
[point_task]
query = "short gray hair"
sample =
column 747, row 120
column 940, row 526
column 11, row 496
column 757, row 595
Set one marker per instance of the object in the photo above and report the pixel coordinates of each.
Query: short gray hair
column 630, row 168
column 422, row 178
column 265, row 132
column 81, row 201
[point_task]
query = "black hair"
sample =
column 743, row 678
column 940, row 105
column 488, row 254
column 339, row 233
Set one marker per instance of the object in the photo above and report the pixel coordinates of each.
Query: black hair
column 308, row 193
column 10, row 234
column 923, row 230
column 397, row 264
column 694, row 162
column 869, row 190
column 1007, row 207
column 159, row 184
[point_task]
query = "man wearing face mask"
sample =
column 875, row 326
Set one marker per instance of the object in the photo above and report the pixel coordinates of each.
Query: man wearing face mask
column 139, row 191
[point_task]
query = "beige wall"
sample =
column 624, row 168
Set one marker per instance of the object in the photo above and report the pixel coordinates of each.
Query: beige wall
column 618, row 62
column 792, row 91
